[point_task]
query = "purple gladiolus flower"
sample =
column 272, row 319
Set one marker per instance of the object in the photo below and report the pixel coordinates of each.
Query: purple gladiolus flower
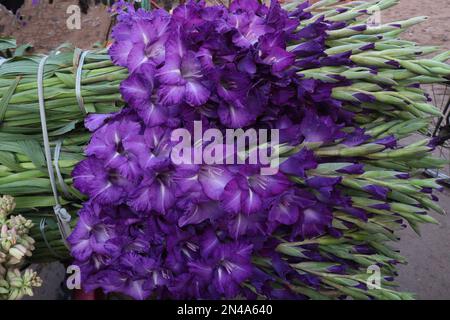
column 120, row 146
column 239, row 197
column 377, row 191
column 106, row 186
column 226, row 267
column 154, row 193
column 91, row 233
column 198, row 210
column 248, row 28
column 274, row 53
column 299, row 163
column 319, row 129
column 285, row 209
column 143, row 41
column 313, row 221
column 181, row 76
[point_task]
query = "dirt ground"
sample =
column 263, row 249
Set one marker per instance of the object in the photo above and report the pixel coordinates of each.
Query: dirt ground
column 435, row 31
column 45, row 26
column 428, row 271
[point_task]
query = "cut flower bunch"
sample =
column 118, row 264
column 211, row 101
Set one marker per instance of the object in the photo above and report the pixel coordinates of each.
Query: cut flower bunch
column 15, row 246
column 342, row 93
column 155, row 229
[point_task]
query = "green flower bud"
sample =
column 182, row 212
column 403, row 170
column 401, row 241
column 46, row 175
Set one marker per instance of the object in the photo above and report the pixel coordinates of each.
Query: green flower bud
column 21, row 248
column 442, row 57
column 13, row 261
column 4, row 231
column 16, row 283
column 28, row 239
column 28, row 291
column 2, row 272
column 16, row 253
column 4, row 283
column 7, row 205
column 6, row 245
column 15, row 294
column 36, row 282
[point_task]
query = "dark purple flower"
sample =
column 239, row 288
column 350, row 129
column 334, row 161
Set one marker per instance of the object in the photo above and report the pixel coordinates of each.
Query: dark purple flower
column 155, row 192
column 158, row 146
column 299, row 163
column 319, row 129
column 197, row 210
column 181, row 76
column 226, row 268
column 357, row 168
column 241, row 225
column 239, row 197
column 91, row 233
column 313, row 222
column 285, row 209
column 214, row 179
column 142, row 41
column 356, row 138
column 274, row 53
column 120, row 146
column 248, row 27
column 137, row 89
column 106, row 186
column 378, row 192
column 388, row 142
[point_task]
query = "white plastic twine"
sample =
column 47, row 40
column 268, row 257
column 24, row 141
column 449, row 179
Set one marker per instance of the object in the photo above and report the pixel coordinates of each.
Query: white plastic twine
column 62, row 216
column 78, row 82
column 56, row 156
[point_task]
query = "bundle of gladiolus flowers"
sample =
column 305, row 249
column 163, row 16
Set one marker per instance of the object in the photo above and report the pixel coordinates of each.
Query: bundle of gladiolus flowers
column 155, row 228
column 339, row 93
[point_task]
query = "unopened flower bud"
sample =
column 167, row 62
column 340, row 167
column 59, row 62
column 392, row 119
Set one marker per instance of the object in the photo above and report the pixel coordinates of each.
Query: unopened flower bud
column 13, row 273
column 16, row 253
column 28, row 239
column 28, row 291
column 28, row 275
column 4, row 283
column 5, row 245
column 13, row 261
column 21, row 248
column 15, row 244
column 15, row 294
column 36, row 282
column 16, row 283
column 21, row 224
column 4, row 231
column 7, row 205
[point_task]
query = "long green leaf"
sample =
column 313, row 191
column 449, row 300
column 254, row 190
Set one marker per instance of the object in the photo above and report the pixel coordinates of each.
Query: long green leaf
column 7, row 97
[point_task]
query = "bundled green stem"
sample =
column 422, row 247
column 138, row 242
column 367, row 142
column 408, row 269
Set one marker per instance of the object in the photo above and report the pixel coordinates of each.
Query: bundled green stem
column 19, row 107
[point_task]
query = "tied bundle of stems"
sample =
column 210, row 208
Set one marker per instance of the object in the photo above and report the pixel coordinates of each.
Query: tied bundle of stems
column 19, row 107
column 388, row 102
column 23, row 170
column 23, row 174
